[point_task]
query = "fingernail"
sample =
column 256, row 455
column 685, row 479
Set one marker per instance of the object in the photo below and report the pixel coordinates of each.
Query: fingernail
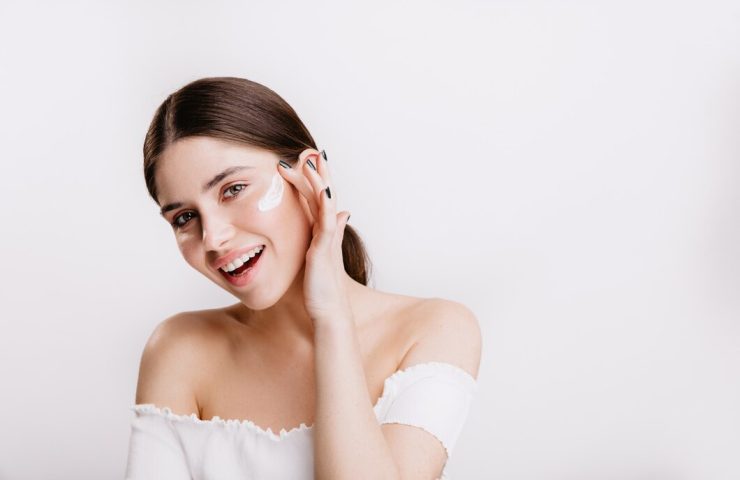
column 285, row 164
column 348, row 217
column 328, row 192
column 323, row 154
column 310, row 164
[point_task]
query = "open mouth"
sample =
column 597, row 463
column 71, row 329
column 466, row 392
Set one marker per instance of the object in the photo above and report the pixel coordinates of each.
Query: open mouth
column 246, row 267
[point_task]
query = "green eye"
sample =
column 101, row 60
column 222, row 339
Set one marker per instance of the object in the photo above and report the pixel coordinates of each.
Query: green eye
column 176, row 224
column 237, row 185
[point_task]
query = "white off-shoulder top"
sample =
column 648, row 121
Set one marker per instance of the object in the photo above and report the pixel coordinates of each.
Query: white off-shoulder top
column 434, row 396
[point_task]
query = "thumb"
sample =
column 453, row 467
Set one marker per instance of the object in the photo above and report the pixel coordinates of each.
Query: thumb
column 342, row 219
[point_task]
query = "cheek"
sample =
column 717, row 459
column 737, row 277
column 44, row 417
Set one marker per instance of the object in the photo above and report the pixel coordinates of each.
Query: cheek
column 190, row 250
column 283, row 210
column 281, row 203
column 273, row 197
column 188, row 239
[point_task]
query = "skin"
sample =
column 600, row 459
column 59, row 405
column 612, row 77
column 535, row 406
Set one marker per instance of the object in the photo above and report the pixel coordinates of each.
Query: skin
column 263, row 358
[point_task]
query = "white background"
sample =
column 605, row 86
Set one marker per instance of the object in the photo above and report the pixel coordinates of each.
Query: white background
column 567, row 169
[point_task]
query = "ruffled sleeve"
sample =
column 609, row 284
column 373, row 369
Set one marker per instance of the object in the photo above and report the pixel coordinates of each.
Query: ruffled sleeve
column 434, row 396
column 155, row 451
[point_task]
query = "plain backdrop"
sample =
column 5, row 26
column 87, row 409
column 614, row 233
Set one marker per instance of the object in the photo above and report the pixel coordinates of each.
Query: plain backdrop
column 566, row 169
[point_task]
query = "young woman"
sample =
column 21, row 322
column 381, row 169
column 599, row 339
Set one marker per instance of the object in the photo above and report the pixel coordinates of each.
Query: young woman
column 359, row 383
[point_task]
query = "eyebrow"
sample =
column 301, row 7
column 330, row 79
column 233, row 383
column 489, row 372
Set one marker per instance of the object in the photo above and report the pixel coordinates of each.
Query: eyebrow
column 207, row 186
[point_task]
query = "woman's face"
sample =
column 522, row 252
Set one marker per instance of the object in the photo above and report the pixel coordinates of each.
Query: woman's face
column 217, row 217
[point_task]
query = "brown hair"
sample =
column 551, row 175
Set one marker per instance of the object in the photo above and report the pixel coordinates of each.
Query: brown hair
column 244, row 111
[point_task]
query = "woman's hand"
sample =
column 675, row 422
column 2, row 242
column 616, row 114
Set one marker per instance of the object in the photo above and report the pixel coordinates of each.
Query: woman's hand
column 324, row 291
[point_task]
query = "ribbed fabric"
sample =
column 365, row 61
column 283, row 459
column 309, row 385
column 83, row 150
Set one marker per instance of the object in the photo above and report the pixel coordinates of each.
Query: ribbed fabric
column 434, row 396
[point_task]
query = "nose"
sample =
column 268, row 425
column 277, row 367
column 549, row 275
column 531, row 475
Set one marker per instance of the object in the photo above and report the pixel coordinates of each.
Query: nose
column 216, row 233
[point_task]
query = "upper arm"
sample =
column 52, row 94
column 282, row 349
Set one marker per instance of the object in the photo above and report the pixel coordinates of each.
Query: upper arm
column 168, row 365
column 448, row 332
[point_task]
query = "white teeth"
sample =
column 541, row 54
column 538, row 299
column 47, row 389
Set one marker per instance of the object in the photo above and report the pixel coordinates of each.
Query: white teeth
column 241, row 260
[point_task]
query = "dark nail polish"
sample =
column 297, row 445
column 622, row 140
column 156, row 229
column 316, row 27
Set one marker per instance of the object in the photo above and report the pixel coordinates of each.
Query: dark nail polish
column 285, row 164
column 348, row 217
column 310, row 164
column 323, row 154
column 328, row 192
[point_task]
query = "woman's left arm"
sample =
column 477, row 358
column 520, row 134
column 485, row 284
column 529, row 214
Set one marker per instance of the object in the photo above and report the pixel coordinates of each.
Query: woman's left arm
column 421, row 426
column 349, row 441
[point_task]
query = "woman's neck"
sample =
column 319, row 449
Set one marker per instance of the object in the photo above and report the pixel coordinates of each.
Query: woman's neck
column 288, row 323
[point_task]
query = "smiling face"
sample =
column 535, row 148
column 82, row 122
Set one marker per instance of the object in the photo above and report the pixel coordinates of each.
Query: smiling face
column 213, row 215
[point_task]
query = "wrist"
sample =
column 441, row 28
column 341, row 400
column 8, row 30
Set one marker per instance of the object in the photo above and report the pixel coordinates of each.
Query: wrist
column 340, row 322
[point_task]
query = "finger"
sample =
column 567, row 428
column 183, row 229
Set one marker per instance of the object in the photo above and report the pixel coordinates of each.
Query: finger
column 319, row 179
column 295, row 176
column 309, row 190
column 342, row 219
column 323, row 167
column 327, row 210
column 299, row 180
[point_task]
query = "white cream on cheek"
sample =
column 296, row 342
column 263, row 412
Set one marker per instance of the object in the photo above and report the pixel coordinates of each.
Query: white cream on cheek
column 274, row 194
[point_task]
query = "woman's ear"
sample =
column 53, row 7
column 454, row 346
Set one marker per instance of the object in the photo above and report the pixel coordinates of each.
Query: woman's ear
column 308, row 154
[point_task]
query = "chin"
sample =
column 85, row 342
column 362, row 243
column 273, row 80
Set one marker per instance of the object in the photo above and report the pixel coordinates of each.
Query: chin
column 256, row 302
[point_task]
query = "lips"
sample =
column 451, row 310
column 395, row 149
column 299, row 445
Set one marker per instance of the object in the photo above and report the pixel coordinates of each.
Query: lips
column 254, row 266
column 239, row 271
column 231, row 256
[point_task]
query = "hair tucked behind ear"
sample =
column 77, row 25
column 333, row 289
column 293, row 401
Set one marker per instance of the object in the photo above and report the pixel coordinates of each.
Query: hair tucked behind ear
column 240, row 110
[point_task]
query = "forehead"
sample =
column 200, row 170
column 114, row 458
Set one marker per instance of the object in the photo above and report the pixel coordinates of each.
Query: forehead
column 189, row 162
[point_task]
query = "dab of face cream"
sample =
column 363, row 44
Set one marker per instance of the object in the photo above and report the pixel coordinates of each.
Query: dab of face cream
column 274, row 194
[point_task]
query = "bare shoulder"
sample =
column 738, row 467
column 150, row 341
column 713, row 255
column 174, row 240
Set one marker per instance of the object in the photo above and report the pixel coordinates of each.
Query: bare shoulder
column 445, row 331
column 174, row 360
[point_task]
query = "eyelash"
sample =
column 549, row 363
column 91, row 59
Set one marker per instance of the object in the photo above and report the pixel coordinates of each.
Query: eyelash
column 174, row 220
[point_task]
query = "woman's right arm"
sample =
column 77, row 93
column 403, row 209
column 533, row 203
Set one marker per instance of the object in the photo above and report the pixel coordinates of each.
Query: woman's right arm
column 165, row 380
